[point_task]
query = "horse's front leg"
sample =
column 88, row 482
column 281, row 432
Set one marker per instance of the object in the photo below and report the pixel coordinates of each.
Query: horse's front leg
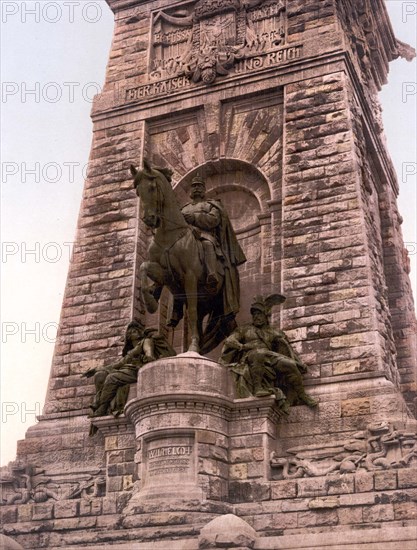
column 190, row 287
column 151, row 293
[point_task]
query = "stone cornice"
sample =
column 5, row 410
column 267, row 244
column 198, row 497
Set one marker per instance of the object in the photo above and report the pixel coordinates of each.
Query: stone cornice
column 117, row 5
column 110, row 425
column 384, row 159
column 369, row 30
column 271, row 78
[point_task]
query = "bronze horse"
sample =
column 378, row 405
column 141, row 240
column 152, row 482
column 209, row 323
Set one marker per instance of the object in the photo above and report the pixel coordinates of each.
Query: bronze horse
column 175, row 260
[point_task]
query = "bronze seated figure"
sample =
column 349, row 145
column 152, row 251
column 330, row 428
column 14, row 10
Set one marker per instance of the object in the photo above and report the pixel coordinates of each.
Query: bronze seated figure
column 263, row 360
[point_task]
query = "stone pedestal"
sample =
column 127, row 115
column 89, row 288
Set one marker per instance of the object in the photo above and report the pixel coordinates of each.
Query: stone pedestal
column 181, row 426
column 189, row 430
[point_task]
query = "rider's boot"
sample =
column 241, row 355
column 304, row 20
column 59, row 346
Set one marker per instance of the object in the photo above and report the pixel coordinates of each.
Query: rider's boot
column 212, row 281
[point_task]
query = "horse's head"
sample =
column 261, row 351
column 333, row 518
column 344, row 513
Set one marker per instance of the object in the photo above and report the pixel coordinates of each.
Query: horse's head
column 149, row 184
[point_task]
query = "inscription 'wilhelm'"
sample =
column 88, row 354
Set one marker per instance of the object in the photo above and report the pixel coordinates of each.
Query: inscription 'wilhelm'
column 177, row 450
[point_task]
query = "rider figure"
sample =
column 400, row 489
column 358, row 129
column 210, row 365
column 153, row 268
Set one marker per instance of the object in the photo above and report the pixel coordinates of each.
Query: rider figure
column 206, row 216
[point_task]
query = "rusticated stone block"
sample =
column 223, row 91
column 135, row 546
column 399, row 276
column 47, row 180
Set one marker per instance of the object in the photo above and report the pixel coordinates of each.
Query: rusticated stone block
column 263, row 522
column 349, row 516
column 217, row 489
column 114, row 457
column 210, row 467
column 364, row 481
column 407, row 478
column 8, row 514
column 74, row 523
column 317, row 517
column 283, row 489
column 238, row 471
column 385, row 480
column 127, row 482
column 91, row 507
column 126, row 442
column 383, row 512
column 358, row 499
column 43, row 511
column 337, row 485
column 356, row 407
column 258, row 453
column 324, row 503
column 24, row 512
column 124, row 468
column 110, row 504
column 246, row 441
column 254, row 491
column 27, row 528
column 287, row 520
column 207, row 437
column 66, row 509
column 346, row 367
column 311, row 487
column 405, row 510
column 240, row 455
column 108, row 522
column 115, row 484
column 256, row 469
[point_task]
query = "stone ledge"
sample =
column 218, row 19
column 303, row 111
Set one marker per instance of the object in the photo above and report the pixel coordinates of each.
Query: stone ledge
column 369, row 539
column 111, row 425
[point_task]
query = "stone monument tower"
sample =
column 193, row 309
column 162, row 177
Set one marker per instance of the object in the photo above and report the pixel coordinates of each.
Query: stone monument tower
column 275, row 105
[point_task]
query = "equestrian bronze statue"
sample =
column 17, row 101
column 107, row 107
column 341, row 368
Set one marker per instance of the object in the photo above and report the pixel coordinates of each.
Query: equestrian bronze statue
column 204, row 280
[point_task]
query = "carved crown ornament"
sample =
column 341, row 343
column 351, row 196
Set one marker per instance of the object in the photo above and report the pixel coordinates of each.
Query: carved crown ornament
column 203, row 40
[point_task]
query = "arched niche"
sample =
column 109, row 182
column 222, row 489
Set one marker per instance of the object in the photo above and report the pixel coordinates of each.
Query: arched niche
column 240, row 186
column 245, row 193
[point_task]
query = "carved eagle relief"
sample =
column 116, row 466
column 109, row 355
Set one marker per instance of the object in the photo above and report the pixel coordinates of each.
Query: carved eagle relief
column 204, row 40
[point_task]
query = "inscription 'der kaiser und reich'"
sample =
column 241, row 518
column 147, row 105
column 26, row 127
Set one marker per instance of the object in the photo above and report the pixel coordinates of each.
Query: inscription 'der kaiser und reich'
column 245, row 65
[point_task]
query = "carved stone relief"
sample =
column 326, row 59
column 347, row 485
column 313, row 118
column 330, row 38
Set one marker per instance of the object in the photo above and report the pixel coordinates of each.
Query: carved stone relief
column 204, row 40
column 363, row 31
column 25, row 483
column 380, row 447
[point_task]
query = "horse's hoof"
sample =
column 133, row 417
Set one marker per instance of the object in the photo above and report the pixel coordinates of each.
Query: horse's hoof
column 194, row 346
column 150, row 303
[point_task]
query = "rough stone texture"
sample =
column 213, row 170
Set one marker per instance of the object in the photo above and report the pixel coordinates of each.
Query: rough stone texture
column 227, row 531
column 291, row 141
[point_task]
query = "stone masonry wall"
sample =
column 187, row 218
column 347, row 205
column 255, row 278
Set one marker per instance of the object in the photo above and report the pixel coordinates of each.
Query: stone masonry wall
column 326, row 271
column 400, row 297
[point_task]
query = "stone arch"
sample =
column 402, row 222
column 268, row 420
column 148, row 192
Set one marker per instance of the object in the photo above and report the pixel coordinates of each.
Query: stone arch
column 225, row 177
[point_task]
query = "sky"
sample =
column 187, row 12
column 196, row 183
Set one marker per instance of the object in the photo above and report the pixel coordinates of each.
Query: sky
column 53, row 62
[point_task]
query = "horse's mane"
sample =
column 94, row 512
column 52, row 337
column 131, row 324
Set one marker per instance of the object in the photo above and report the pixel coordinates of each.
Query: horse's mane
column 151, row 172
column 167, row 172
